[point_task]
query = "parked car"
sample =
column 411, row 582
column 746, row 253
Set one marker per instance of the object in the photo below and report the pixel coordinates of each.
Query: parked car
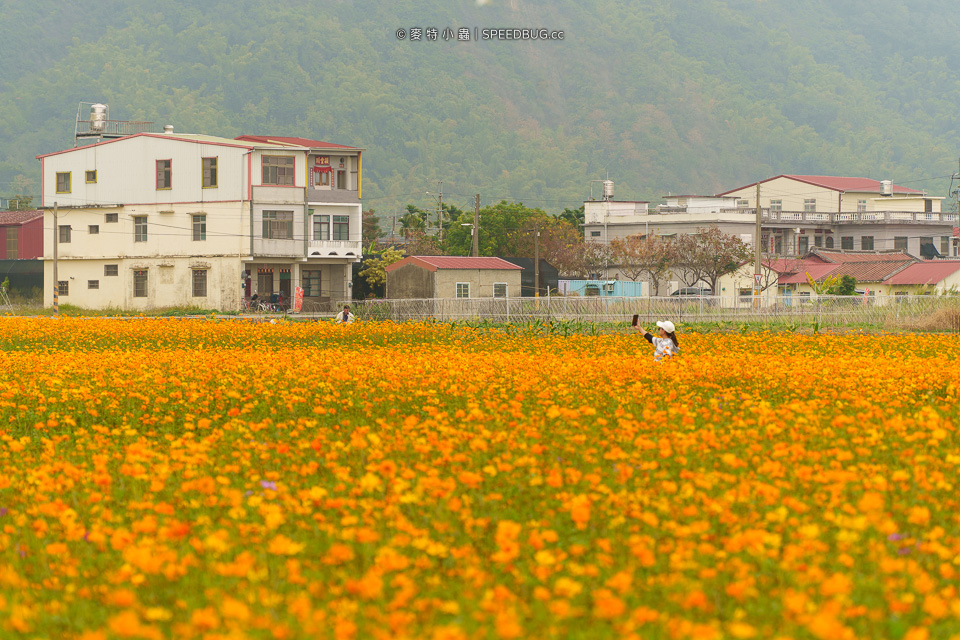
column 692, row 292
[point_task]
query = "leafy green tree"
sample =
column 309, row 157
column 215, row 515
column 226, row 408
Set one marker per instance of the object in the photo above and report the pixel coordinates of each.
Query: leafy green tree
column 375, row 270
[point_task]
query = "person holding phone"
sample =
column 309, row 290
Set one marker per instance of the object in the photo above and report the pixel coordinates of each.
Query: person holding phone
column 665, row 343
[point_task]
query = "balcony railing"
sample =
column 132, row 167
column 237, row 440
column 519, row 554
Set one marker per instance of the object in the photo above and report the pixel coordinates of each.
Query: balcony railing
column 853, row 217
column 113, row 128
column 334, row 249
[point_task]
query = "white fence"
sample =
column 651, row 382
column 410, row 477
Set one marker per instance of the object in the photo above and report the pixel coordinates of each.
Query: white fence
column 881, row 311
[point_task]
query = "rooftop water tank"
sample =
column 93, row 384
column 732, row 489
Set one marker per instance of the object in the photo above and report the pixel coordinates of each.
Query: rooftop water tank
column 608, row 189
column 98, row 117
column 886, row 188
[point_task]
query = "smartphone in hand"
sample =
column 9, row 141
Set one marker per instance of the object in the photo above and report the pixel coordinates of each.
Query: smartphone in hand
column 636, row 319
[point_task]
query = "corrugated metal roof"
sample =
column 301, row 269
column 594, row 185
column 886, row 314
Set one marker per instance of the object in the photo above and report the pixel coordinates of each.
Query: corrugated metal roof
column 296, row 141
column 454, row 262
column 836, row 183
column 817, row 272
column 926, row 272
column 19, row 217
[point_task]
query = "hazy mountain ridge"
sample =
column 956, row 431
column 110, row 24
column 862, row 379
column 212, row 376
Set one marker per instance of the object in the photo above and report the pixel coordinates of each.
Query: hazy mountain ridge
column 692, row 96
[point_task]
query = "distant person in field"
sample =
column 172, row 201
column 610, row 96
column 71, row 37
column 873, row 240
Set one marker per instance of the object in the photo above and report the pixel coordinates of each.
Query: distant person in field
column 665, row 343
column 345, row 317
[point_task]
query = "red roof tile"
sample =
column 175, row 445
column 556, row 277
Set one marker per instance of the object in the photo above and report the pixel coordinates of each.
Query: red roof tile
column 295, row 141
column 454, row 262
column 817, row 271
column 861, row 256
column 837, row 183
column 926, row 272
column 19, row 217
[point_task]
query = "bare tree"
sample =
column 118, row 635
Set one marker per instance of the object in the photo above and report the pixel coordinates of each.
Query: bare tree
column 636, row 256
column 708, row 254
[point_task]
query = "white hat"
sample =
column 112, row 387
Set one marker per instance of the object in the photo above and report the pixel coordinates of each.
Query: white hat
column 667, row 326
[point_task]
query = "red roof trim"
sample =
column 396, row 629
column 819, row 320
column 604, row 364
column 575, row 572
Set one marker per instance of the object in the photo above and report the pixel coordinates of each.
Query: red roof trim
column 296, row 141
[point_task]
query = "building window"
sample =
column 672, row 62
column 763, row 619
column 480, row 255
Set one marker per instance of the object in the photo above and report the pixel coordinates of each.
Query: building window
column 140, row 229
column 64, row 233
column 861, row 205
column 164, row 174
column 111, row 270
column 499, row 289
column 594, row 234
column 209, row 172
column 278, row 225
column 13, row 243
column 810, row 205
column 140, row 283
column 463, row 289
column 742, row 203
column 321, row 179
column 803, row 245
column 63, row 182
column 829, row 242
column 818, row 240
column 199, row 283
column 311, row 284
column 945, row 245
column 778, row 245
column 926, row 247
column 91, row 177
column 341, row 227
column 112, row 217
column 341, row 179
column 93, row 230
column 265, row 282
column 321, row 227
column 866, row 243
column 776, row 206
column 278, row 170
column 63, row 288
column 900, row 243
column 199, row 227
column 846, row 243
column 93, row 284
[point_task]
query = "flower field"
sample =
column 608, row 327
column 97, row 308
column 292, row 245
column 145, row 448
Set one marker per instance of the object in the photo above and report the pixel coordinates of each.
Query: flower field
column 199, row 479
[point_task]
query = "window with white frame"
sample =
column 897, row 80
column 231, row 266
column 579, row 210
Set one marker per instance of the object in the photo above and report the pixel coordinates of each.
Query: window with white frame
column 199, row 227
column 278, row 170
column 861, row 205
column 463, row 289
column 278, row 225
column 140, row 283
column 63, row 287
column 311, row 283
column 776, row 206
column 341, row 227
column 810, row 205
column 111, row 269
column 139, row 228
column 743, row 203
column 499, row 289
column 93, row 284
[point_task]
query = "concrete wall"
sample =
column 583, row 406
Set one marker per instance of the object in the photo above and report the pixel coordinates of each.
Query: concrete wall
column 792, row 194
column 481, row 281
column 411, row 281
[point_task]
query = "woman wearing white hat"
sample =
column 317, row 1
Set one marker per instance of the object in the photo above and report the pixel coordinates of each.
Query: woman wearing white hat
column 665, row 343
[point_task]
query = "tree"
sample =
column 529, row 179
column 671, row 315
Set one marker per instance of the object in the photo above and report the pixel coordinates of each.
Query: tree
column 636, row 256
column 370, row 228
column 21, row 201
column 375, row 270
column 420, row 244
column 708, row 254
column 576, row 217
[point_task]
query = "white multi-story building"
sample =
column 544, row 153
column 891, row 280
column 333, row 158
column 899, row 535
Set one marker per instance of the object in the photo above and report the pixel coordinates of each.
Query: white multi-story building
column 161, row 220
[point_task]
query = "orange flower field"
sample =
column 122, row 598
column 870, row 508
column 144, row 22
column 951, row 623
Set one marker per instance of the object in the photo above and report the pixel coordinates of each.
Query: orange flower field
column 206, row 479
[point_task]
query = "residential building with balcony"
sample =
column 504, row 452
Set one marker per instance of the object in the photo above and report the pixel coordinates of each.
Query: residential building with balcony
column 155, row 220
column 798, row 214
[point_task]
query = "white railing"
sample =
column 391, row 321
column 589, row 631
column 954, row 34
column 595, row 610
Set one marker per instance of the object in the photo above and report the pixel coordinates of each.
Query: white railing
column 334, row 248
column 883, row 312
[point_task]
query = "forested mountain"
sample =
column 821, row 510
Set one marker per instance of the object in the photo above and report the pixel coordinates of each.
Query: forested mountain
column 689, row 96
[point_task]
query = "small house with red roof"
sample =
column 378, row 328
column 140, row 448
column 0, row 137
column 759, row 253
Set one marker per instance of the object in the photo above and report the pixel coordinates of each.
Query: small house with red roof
column 423, row 277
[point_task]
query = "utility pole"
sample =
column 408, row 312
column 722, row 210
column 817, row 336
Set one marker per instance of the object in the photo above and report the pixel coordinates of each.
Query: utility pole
column 756, row 254
column 476, row 226
column 440, row 214
column 56, row 283
column 536, row 263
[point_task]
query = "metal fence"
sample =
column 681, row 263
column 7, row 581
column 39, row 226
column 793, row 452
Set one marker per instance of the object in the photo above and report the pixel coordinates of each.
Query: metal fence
column 892, row 312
